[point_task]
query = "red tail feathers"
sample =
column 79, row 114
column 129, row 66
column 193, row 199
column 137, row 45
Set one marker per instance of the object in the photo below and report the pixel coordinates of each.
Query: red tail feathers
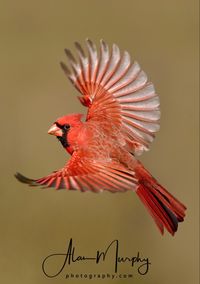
column 165, row 209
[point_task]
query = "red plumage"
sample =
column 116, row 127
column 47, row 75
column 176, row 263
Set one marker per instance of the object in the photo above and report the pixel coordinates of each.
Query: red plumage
column 122, row 119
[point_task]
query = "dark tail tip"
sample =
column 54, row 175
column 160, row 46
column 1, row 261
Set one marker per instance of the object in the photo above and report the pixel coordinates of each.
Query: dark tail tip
column 163, row 216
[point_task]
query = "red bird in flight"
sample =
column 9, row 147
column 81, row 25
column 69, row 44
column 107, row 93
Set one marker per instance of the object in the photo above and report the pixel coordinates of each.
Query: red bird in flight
column 122, row 119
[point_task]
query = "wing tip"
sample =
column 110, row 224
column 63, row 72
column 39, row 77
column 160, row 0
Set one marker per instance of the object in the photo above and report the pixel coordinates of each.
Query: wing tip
column 24, row 179
column 64, row 68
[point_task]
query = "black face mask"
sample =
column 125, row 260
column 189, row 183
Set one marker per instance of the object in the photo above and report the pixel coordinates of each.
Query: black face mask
column 63, row 139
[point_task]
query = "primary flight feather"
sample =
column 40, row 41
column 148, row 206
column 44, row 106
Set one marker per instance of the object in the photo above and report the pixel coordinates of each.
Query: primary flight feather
column 122, row 119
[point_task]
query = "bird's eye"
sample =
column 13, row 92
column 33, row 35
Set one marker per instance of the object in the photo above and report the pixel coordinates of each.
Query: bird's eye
column 66, row 126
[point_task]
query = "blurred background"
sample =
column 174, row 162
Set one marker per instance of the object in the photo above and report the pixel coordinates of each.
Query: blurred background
column 163, row 37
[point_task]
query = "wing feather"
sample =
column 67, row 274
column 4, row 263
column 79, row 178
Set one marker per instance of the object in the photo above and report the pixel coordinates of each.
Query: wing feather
column 117, row 91
column 96, row 176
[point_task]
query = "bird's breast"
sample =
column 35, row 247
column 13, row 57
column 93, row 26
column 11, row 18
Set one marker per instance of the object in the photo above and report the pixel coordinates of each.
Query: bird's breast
column 70, row 149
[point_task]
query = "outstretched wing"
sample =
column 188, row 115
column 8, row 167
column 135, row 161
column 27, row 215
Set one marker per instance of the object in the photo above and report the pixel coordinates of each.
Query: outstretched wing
column 117, row 91
column 83, row 174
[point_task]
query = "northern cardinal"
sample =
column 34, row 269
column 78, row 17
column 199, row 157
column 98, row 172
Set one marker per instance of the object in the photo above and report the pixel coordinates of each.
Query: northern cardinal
column 123, row 116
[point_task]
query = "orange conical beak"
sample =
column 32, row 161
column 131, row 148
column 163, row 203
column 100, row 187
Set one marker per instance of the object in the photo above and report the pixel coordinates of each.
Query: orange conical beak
column 55, row 130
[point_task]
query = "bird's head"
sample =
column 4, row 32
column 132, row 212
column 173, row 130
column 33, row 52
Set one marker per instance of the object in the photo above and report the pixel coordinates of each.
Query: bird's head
column 65, row 128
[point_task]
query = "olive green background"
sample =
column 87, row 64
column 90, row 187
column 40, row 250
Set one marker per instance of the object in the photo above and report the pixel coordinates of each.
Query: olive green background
column 163, row 37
